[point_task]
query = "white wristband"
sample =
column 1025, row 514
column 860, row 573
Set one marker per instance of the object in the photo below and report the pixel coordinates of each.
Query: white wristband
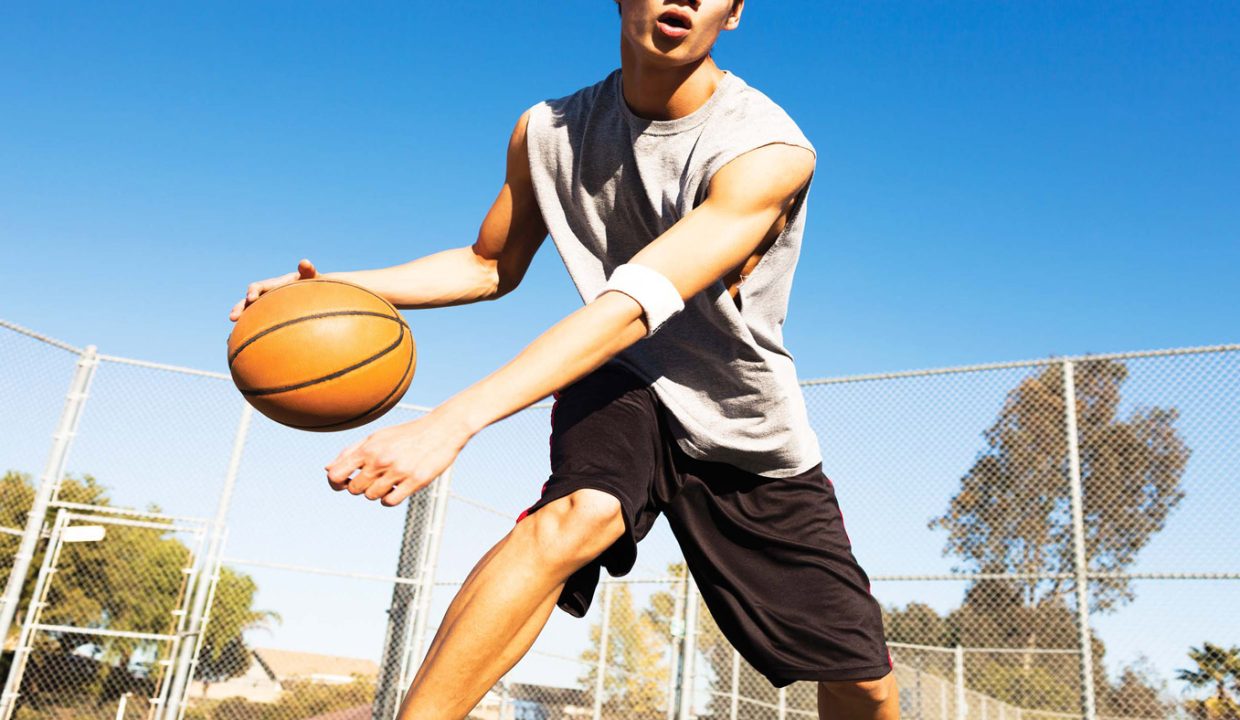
column 659, row 298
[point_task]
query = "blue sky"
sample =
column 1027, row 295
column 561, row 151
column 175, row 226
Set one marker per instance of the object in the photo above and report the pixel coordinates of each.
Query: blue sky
column 996, row 181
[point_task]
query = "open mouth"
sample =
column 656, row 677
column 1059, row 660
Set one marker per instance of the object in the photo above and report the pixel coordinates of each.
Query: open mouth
column 674, row 24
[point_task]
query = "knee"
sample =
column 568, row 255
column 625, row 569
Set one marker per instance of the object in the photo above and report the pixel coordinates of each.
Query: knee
column 866, row 692
column 576, row 528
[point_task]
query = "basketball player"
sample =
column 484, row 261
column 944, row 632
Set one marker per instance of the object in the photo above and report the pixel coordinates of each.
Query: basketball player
column 676, row 195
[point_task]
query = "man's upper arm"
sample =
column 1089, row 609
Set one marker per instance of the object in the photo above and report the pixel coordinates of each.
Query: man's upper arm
column 513, row 228
column 746, row 199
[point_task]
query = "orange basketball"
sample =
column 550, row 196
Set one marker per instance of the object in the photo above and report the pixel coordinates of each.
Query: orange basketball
column 321, row 355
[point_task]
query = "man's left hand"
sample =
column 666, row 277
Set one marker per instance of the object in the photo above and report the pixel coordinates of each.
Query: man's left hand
column 397, row 461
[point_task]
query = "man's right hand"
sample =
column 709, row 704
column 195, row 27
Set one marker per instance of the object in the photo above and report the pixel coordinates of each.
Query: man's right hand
column 305, row 271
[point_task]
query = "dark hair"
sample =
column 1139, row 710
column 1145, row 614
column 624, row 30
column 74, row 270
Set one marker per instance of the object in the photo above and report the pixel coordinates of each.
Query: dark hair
column 620, row 11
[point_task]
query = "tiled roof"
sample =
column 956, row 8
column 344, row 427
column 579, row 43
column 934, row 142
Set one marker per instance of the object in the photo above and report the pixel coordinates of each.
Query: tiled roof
column 286, row 664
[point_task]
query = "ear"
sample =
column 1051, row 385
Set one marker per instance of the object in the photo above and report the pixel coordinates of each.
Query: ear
column 734, row 17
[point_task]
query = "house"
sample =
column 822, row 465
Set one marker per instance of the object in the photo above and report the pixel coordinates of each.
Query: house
column 269, row 667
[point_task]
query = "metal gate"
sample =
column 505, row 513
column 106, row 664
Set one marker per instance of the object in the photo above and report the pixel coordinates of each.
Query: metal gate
column 107, row 616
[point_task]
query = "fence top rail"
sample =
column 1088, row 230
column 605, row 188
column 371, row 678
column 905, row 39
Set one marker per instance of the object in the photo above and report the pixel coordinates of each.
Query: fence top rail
column 958, row 369
column 948, row 650
column 1200, row 350
column 163, row 366
column 40, row 337
column 1092, row 575
column 92, row 517
column 114, row 510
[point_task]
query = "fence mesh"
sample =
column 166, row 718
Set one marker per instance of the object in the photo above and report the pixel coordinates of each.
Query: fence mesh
column 960, row 489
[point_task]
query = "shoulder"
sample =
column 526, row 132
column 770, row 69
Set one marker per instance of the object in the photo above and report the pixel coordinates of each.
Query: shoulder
column 753, row 118
column 558, row 110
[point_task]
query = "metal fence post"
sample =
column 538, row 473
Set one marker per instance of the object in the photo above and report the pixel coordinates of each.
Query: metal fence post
column 962, row 709
column 736, row 681
column 403, row 610
column 689, row 648
column 426, row 579
column 1088, row 709
column 70, row 416
column 21, row 654
column 600, row 673
column 208, row 568
column 676, row 656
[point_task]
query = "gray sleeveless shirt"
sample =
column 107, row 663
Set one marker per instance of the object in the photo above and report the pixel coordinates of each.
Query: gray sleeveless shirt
column 608, row 183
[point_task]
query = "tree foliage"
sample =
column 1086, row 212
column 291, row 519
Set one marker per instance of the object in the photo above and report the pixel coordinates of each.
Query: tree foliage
column 1012, row 515
column 132, row 580
column 1217, row 671
column 635, row 683
column 1012, row 512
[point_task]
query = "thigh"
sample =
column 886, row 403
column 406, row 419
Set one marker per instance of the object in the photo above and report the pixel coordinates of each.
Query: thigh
column 605, row 436
column 775, row 567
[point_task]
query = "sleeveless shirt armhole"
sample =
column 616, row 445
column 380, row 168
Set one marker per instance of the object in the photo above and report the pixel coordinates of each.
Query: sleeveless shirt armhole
column 723, row 159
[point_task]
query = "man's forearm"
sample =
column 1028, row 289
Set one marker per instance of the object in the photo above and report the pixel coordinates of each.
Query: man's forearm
column 452, row 277
column 570, row 350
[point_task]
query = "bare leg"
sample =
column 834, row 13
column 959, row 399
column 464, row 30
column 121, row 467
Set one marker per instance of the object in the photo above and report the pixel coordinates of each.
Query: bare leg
column 863, row 700
column 501, row 608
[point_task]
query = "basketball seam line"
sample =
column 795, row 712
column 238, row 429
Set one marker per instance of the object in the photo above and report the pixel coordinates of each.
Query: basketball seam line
column 366, row 290
column 381, row 403
column 305, row 318
column 330, row 376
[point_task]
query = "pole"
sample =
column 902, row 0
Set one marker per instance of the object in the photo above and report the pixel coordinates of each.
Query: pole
column 205, row 577
column 962, row 709
column 1088, row 710
column 53, row 471
column 689, row 648
column 120, row 706
column 426, row 583
column 783, row 703
column 600, row 674
column 736, row 682
column 38, row 600
column 402, row 612
column 677, row 656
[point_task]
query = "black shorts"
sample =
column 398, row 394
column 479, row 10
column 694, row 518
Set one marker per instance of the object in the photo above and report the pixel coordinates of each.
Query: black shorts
column 770, row 556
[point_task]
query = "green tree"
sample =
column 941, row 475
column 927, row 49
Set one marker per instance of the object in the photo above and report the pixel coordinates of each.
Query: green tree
column 1218, row 670
column 1012, row 512
column 224, row 653
column 714, row 662
column 133, row 580
column 1137, row 693
column 635, row 684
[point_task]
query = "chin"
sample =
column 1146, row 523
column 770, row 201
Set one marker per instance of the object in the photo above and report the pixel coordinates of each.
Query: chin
column 666, row 53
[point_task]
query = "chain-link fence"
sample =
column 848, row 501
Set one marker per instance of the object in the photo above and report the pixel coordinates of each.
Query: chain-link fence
column 1048, row 539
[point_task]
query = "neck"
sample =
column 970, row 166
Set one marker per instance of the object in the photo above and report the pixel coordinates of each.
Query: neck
column 666, row 93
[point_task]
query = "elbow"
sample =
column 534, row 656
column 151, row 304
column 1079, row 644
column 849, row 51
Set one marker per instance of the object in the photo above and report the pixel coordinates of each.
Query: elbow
column 497, row 284
column 499, row 281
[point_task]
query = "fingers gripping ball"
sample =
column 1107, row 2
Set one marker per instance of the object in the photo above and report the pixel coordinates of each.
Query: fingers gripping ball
column 321, row 355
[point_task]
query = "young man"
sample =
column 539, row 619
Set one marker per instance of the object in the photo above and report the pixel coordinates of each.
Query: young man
column 675, row 194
